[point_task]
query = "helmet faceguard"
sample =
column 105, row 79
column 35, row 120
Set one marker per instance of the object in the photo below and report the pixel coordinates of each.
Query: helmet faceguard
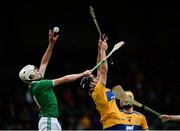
column 85, row 83
column 26, row 73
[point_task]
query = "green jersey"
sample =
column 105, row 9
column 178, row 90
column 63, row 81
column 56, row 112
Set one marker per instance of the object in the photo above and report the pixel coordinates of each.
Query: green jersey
column 45, row 98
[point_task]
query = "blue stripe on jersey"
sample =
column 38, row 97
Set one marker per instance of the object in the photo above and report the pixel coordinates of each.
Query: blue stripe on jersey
column 110, row 95
column 124, row 127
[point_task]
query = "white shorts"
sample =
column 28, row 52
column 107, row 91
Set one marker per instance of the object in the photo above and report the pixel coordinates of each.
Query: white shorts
column 48, row 123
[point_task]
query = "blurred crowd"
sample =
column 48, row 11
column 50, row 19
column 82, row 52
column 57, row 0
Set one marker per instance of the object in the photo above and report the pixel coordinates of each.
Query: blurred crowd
column 77, row 110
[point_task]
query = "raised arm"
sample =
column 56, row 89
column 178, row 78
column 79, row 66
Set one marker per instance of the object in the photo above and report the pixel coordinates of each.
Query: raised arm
column 47, row 55
column 99, row 45
column 103, row 69
column 70, row 78
column 98, row 54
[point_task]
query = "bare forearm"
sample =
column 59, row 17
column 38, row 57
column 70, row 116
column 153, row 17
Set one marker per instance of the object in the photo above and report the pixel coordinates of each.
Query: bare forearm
column 103, row 69
column 73, row 77
column 98, row 57
column 67, row 79
column 174, row 117
column 45, row 59
column 104, row 66
column 47, row 54
column 98, row 60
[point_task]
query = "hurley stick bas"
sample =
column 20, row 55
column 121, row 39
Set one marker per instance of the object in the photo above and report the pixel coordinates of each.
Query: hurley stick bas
column 121, row 95
column 97, row 25
column 116, row 47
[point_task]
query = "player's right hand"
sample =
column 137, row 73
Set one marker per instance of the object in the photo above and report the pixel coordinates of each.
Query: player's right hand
column 52, row 37
column 164, row 118
column 86, row 73
column 102, row 39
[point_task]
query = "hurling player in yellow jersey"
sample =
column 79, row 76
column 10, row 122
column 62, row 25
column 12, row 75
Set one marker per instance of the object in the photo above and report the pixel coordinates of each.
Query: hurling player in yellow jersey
column 111, row 117
column 133, row 119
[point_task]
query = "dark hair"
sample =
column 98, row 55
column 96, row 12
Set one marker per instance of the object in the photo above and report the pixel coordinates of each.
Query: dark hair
column 85, row 83
column 127, row 106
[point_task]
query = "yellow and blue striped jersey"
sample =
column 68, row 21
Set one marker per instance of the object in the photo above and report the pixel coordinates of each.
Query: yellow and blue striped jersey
column 110, row 113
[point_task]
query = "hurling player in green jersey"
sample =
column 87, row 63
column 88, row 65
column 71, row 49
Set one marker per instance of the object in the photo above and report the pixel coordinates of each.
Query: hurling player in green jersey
column 42, row 90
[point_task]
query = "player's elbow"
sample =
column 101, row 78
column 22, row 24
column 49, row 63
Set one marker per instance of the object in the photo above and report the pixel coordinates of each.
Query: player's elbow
column 102, row 77
column 103, row 72
column 57, row 82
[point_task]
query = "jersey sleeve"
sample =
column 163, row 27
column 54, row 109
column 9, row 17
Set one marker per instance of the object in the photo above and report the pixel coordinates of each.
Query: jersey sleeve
column 40, row 86
column 99, row 89
column 144, row 123
column 101, row 94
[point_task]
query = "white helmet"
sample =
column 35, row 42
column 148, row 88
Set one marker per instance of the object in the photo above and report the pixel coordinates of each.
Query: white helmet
column 25, row 73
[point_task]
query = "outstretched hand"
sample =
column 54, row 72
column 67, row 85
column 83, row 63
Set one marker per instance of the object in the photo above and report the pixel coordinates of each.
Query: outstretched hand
column 164, row 118
column 86, row 73
column 52, row 37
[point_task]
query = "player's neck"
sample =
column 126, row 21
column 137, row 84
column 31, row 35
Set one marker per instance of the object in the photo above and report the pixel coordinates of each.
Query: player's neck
column 130, row 110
